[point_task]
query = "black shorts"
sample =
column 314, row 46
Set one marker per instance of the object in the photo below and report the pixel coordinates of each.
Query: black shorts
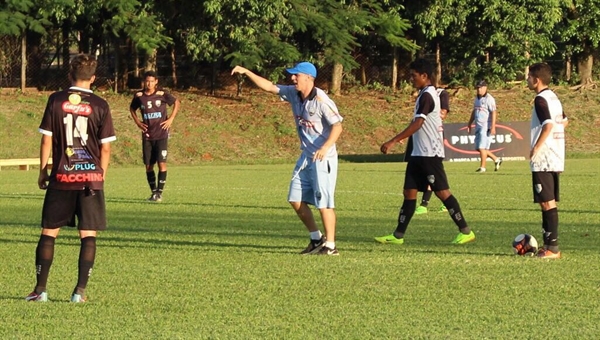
column 422, row 172
column 154, row 151
column 545, row 186
column 62, row 206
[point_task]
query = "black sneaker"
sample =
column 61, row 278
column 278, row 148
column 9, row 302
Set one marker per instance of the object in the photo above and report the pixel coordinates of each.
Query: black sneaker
column 328, row 251
column 497, row 164
column 314, row 246
column 152, row 197
column 158, row 196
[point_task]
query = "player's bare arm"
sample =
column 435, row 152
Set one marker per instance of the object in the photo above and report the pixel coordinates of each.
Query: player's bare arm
column 546, row 131
column 493, row 127
column 262, row 83
column 45, row 149
column 137, row 120
column 336, row 131
column 471, row 119
column 167, row 123
column 414, row 126
column 104, row 157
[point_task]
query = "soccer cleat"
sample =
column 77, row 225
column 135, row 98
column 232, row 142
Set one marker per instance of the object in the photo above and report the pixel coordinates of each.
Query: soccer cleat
column 389, row 239
column 152, row 197
column 548, row 254
column 328, row 251
column 313, row 247
column 480, row 169
column 77, row 298
column 158, row 197
column 464, row 238
column 42, row 297
column 497, row 164
column 421, row 210
column 443, row 209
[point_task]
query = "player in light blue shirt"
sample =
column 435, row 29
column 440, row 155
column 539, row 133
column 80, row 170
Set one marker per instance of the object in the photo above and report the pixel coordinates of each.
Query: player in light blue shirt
column 319, row 126
column 484, row 115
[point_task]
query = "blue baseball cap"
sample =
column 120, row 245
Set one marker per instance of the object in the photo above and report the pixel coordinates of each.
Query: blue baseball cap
column 304, row 67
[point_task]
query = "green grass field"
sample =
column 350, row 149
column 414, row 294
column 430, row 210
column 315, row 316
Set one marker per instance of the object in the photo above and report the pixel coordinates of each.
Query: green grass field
column 217, row 259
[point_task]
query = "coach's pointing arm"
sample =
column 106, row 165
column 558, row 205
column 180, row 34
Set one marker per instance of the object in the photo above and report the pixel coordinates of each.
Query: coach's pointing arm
column 261, row 82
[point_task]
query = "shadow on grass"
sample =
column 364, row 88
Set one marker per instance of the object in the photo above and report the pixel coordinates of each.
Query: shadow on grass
column 374, row 158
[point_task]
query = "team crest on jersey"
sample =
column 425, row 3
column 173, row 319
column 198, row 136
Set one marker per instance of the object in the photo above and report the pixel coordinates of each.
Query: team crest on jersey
column 431, row 179
column 69, row 152
column 149, row 104
column 538, row 188
column 157, row 103
column 311, row 113
column 74, row 99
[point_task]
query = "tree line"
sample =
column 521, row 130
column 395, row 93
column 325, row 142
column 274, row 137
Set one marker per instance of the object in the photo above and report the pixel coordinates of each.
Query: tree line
column 468, row 39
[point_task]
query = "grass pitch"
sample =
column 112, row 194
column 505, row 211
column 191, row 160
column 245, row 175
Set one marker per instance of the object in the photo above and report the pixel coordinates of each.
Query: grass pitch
column 218, row 259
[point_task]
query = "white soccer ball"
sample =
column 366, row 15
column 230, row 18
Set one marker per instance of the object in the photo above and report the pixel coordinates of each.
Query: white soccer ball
column 525, row 244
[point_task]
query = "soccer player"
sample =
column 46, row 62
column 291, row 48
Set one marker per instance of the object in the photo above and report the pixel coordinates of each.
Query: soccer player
column 319, row 126
column 425, row 167
column 444, row 109
column 77, row 128
column 484, row 114
column 155, row 124
column 547, row 153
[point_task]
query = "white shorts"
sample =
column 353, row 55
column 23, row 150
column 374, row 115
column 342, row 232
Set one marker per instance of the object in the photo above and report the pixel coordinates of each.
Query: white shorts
column 314, row 182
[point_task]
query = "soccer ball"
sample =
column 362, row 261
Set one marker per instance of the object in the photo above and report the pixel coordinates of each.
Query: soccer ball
column 525, row 244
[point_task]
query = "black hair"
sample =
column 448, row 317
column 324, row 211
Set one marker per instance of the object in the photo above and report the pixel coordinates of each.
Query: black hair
column 541, row 71
column 422, row 66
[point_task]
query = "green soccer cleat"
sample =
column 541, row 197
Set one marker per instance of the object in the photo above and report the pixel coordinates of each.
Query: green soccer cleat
column 443, row 209
column 389, row 239
column 420, row 210
column 464, row 238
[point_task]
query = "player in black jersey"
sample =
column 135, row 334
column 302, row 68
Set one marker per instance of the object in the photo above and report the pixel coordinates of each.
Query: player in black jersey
column 77, row 128
column 155, row 125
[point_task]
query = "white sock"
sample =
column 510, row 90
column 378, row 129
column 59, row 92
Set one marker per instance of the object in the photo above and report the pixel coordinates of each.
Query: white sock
column 330, row 244
column 316, row 235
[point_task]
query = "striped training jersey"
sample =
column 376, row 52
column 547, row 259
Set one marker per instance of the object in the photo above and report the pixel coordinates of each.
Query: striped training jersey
column 428, row 141
column 548, row 109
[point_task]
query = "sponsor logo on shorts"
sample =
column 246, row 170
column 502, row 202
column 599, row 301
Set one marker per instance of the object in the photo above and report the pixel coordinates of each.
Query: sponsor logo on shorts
column 164, row 153
column 538, row 188
column 431, row 179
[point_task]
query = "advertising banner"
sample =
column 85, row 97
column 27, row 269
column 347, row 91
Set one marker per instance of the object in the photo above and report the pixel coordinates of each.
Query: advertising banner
column 511, row 142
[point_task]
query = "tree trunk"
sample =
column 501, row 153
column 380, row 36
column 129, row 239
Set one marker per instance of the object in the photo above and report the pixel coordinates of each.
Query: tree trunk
column 23, row 62
column 438, row 65
column 151, row 60
column 395, row 69
column 173, row 67
column 568, row 67
column 584, row 65
column 336, row 78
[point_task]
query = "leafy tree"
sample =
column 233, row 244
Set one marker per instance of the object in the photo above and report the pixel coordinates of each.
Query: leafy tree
column 580, row 30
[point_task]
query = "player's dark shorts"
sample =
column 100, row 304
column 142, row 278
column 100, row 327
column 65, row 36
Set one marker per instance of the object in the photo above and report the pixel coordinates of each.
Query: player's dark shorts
column 155, row 151
column 62, row 206
column 425, row 171
column 545, row 186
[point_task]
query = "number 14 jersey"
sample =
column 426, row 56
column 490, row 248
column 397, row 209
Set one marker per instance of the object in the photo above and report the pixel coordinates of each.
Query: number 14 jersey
column 78, row 122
